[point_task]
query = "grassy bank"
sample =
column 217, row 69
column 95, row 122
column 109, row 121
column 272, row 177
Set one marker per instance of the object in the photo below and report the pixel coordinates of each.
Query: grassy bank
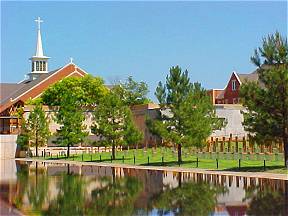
column 167, row 157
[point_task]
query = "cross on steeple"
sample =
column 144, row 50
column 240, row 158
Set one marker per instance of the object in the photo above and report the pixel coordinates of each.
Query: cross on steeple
column 39, row 60
column 38, row 22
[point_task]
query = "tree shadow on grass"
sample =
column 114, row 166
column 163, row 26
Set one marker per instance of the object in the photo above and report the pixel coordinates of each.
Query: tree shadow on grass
column 254, row 168
column 109, row 160
column 169, row 163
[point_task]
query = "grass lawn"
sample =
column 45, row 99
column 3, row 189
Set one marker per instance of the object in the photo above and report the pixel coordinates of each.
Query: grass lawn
column 189, row 160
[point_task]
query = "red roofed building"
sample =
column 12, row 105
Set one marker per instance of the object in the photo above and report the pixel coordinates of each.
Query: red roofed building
column 13, row 95
column 230, row 94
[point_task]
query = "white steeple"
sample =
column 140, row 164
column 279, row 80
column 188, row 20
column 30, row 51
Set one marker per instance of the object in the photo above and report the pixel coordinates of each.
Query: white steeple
column 39, row 61
column 39, row 49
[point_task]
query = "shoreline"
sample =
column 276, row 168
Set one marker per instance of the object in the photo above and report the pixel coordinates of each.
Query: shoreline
column 266, row 175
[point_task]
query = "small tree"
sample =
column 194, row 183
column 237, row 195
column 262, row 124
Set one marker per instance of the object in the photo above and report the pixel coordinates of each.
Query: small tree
column 71, row 119
column 23, row 137
column 187, row 114
column 38, row 127
column 267, row 100
column 113, row 123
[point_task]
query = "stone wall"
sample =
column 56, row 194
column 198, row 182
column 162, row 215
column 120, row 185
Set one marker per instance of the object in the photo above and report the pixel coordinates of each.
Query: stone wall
column 7, row 146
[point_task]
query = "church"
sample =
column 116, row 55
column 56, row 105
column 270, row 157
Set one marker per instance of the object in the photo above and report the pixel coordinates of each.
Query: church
column 14, row 95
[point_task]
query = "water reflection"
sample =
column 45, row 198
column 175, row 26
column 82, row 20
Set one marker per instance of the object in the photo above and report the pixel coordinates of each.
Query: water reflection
column 59, row 189
column 189, row 198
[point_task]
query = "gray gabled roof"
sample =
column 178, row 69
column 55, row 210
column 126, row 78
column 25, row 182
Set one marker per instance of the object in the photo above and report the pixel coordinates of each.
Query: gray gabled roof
column 253, row 77
column 13, row 90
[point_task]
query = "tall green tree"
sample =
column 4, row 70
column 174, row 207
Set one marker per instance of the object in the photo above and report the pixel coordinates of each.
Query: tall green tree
column 113, row 123
column 132, row 92
column 187, row 114
column 71, row 118
column 70, row 99
column 38, row 127
column 266, row 100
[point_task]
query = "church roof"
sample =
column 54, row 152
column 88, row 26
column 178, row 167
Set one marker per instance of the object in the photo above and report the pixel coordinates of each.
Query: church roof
column 8, row 89
column 13, row 90
column 11, row 93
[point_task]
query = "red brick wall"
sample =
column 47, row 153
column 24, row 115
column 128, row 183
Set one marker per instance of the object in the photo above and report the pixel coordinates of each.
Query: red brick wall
column 229, row 94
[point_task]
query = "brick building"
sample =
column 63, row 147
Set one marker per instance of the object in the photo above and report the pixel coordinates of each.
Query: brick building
column 230, row 94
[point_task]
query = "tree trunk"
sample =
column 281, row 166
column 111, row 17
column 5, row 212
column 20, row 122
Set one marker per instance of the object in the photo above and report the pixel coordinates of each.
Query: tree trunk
column 179, row 179
column 285, row 140
column 113, row 151
column 36, row 143
column 68, row 150
column 179, row 153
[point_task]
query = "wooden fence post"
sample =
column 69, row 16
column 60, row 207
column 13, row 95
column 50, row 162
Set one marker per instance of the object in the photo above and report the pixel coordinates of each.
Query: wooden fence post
column 236, row 144
column 244, row 145
column 262, row 148
column 229, row 144
column 208, row 146
column 271, row 148
column 216, row 144
column 222, row 144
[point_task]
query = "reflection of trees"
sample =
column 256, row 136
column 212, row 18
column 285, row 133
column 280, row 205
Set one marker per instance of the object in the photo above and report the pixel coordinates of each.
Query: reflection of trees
column 71, row 197
column 189, row 198
column 37, row 192
column 22, row 182
column 265, row 201
column 37, row 189
column 115, row 196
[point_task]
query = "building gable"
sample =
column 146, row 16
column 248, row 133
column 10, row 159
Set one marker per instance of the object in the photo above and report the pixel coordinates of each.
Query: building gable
column 36, row 87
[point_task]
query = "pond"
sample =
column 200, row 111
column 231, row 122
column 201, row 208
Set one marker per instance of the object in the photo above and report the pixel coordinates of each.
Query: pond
column 38, row 188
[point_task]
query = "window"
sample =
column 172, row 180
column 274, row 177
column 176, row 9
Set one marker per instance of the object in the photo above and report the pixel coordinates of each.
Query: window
column 233, row 85
column 37, row 66
column 41, row 68
column 44, row 66
column 32, row 66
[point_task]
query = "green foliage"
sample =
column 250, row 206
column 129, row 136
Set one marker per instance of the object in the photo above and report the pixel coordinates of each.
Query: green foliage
column 34, row 101
column 116, row 196
column 71, row 119
column 23, row 141
column 87, row 91
column 71, row 197
column 114, row 124
column 189, row 199
column 37, row 127
column 132, row 92
column 71, row 98
column 23, row 138
column 187, row 114
column 267, row 100
column 264, row 201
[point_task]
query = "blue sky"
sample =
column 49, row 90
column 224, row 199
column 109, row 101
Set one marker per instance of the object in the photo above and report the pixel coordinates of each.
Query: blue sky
column 143, row 39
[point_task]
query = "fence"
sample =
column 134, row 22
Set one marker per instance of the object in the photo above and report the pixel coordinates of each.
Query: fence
column 235, row 144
